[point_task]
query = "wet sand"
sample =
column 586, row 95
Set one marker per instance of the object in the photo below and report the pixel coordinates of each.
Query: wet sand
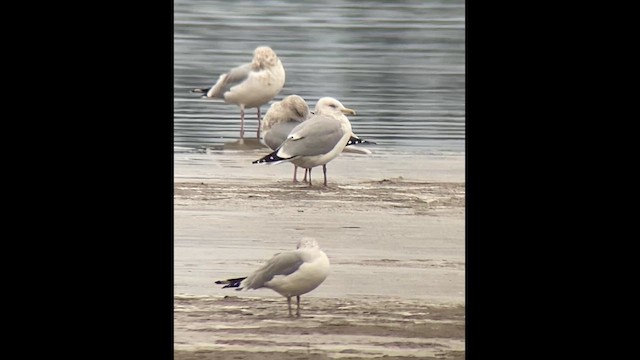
column 391, row 225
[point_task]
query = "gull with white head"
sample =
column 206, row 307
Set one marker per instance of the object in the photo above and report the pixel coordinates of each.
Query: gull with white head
column 285, row 115
column 289, row 273
column 318, row 140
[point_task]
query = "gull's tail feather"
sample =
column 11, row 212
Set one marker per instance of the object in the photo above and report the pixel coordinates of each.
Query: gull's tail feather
column 231, row 283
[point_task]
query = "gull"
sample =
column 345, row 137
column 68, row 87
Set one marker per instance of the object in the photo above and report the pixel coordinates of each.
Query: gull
column 281, row 118
column 250, row 85
column 289, row 273
column 286, row 114
column 318, row 140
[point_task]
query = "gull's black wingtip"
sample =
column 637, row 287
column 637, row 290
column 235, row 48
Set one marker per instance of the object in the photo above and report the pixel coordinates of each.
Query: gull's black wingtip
column 354, row 141
column 269, row 158
column 231, row 283
column 199, row 91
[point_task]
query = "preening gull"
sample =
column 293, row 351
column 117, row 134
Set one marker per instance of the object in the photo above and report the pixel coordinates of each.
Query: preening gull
column 318, row 140
column 286, row 114
column 289, row 273
column 250, row 85
column 280, row 119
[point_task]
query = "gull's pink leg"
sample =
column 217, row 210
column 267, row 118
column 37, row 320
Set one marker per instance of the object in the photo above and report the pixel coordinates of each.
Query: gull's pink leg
column 258, row 133
column 324, row 170
column 241, row 122
column 295, row 173
column 289, row 303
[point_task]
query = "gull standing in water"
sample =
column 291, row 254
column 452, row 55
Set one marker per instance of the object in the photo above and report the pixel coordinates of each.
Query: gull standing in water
column 281, row 118
column 250, row 85
column 289, row 273
column 318, row 140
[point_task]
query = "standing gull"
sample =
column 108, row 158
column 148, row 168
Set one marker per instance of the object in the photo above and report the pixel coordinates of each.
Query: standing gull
column 250, row 85
column 318, row 140
column 285, row 115
column 281, row 118
column 289, row 273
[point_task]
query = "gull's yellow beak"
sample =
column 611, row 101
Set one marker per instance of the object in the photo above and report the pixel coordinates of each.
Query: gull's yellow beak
column 347, row 111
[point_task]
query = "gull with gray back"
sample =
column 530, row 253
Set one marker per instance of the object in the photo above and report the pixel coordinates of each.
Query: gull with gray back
column 318, row 140
column 289, row 273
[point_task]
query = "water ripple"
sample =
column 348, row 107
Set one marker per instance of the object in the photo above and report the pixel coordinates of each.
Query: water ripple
column 401, row 66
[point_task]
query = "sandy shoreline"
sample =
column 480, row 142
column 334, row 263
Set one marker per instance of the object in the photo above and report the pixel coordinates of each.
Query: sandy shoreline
column 392, row 226
column 242, row 328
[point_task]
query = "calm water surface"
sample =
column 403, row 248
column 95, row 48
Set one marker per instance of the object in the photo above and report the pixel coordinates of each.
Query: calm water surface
column 400, row 65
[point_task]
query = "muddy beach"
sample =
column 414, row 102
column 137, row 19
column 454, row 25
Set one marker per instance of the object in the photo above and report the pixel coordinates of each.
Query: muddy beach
column 391, row 225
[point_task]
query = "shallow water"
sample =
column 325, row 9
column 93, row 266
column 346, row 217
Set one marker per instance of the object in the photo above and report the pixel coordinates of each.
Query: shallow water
column 401, row 66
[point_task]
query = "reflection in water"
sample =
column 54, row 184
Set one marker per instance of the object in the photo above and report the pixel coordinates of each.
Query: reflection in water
column 400, row 65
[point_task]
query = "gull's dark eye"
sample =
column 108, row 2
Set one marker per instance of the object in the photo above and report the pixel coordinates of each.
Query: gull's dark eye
column 333, row 105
